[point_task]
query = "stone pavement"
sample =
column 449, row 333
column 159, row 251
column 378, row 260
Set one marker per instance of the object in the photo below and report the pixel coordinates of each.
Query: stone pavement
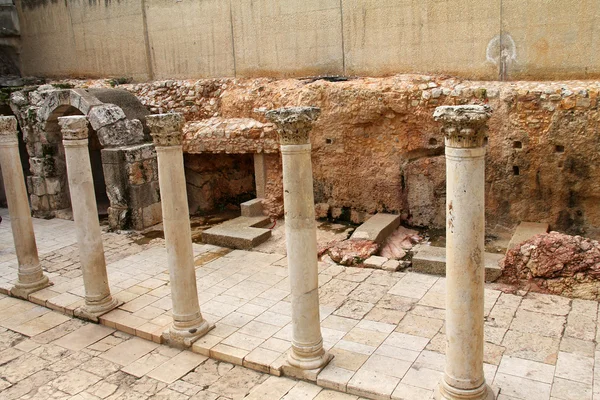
column 73, row 359
column 385, row 329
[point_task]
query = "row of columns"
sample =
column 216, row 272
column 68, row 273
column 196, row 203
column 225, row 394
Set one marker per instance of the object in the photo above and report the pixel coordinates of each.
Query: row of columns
column 464, row 128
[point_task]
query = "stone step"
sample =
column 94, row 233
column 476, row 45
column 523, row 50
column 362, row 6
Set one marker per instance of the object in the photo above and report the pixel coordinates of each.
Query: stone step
column 432, row 260
column 377, row 228
column 525, row 231
column 252, row 208
column 239, row 233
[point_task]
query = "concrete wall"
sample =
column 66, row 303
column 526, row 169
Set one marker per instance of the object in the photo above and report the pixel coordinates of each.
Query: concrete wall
column 154, row 39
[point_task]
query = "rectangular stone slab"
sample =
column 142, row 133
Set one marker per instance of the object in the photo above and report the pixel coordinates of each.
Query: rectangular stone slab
column 239, row 233
column 252, row 208
column 525, row 231
column 377, row 228
column 432, row 260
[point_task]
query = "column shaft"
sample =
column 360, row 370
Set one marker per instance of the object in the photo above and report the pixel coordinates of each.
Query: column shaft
column 176, row 223
column 98, row 299
column 301, row 242
column 465, row 271
column 188, row 323
column 293, row 127
column 30, row 275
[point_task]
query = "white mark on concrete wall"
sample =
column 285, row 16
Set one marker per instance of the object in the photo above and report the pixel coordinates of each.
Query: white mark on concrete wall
column 501, row 46
column 502, row 51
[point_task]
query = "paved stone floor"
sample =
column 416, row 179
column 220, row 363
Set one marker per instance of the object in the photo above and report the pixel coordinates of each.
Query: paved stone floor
column 385, row 329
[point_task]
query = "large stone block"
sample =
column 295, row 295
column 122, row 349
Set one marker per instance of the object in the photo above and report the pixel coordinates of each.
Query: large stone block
column 139, row 152
column 141, row 196
column 105, row 114
column 121, row 133
column 113, row 156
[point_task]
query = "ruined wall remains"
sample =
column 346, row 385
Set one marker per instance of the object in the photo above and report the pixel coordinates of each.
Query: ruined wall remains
column 165, row 39
column 376, row 147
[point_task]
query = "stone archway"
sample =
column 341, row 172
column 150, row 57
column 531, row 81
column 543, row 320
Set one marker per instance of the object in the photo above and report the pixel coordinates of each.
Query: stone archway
column 121, row 141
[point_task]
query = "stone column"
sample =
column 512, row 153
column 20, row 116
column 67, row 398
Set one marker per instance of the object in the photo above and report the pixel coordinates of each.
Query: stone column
column 293, row 126
column 98, row 299
column 465, row 130
column 260, row 175
column 30, row 275
column 188, row 323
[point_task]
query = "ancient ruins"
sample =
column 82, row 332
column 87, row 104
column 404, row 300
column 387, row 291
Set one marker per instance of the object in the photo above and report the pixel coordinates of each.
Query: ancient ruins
column 299, row 200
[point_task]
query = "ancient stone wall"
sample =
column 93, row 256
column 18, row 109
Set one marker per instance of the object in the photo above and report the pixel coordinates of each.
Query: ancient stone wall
column 376, row 147
column 165, row 39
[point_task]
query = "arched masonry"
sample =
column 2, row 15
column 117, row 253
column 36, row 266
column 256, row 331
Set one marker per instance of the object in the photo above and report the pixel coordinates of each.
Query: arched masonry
column 128, row 158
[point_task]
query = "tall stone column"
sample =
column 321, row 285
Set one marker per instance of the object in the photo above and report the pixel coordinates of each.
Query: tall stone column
column 30, row 275
column 293, row 126
column 98, row 299
column 465, row 130
column 188, row 323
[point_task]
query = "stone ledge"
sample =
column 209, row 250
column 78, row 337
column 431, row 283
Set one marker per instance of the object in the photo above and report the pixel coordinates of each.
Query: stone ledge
column 432, row 260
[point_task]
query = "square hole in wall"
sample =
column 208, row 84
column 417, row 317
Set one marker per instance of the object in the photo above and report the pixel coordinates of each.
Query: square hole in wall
column 517, row 144
column 559, row 148
column 328, row 141
column 516, row 170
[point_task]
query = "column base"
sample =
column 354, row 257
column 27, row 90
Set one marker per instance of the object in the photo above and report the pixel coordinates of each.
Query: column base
column 305, row 369
column 445, row 392
column 314, row 360
column 91, row 312
column 23, row 290
column 184, row 337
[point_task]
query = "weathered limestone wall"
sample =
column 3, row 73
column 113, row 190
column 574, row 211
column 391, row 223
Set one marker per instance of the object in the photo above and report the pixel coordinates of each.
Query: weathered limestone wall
column 377, row 148
column 165, row 39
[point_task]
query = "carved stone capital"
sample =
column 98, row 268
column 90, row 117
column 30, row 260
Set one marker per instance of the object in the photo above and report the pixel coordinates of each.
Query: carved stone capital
column 74, row 127
column 464, row 126
column 166, row 129
column 293, row 123
column 8, row 130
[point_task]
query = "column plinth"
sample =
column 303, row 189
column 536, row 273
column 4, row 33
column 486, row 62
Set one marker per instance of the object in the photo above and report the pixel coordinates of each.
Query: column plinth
column 98, row 299
column 31, row 277
column 293, row 126
column 188, row 323
column 464, row 128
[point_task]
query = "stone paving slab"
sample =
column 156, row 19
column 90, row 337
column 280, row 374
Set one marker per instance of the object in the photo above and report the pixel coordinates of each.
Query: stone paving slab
column 385, row 329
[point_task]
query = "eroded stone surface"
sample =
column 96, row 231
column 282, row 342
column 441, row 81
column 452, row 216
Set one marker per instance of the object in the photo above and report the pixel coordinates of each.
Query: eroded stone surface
column 558, row 263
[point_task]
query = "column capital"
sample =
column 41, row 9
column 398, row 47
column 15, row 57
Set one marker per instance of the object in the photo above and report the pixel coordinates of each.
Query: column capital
column 166, row 129
column 74, row 127
column 463, row 126
column 8, row 130
column 293, row 123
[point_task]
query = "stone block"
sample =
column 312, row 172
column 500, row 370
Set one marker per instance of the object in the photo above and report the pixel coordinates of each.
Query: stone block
column 377, row 228
column 375, row 261
column 37, row 185
column 432, row 260
column 120, row 133
column 139, row 152
column 525, row 231
column 118, row 218
column 143, row 195
column 239, row 233
column 391, row 265
column 321, row 210
column 53, row 186
column 42, row 166
column 252, row 208
column 151, row 215
column 105, row 114
column 112, row 156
